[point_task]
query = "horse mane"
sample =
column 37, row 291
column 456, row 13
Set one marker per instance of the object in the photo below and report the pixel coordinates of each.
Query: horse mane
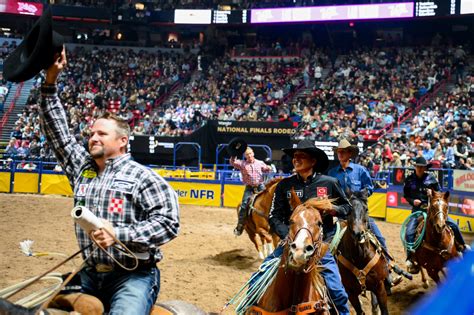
column 272, row 182
column 317, row 203
column 317, row 280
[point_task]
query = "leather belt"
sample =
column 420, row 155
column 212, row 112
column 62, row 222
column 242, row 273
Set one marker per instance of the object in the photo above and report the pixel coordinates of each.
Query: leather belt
column 102, row 268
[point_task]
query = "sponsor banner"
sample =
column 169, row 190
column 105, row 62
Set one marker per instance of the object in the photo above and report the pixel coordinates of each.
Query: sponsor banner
column 463, row 180
column 398, row 215
column 233, row 195
column 55, row 184
column 197, row 193
column 5, row 178
column 21, row 7
column 377, row 204
column 26, row 183
column 185, row 174
column 255, row 128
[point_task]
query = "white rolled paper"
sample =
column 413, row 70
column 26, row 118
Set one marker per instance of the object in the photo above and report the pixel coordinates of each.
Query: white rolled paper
column 86, row 219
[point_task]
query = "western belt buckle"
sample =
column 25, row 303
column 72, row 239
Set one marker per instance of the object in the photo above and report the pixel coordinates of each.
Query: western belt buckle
column 103, row 268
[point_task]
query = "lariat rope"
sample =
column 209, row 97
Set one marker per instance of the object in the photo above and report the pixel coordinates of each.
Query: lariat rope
column 412, row 246
column 262, row 280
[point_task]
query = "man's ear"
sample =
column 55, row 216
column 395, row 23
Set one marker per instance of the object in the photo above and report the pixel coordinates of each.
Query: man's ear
column 123, row 143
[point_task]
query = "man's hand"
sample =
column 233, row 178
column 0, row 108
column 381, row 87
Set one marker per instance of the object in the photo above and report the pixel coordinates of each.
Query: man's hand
column 416, row 202
column 105, row 238
column 55, row 69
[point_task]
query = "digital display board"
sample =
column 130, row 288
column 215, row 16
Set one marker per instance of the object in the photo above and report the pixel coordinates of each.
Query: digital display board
column 192, row 16
column 440, row 8
column 333, row 13
column 230, row 16
column 21, row 7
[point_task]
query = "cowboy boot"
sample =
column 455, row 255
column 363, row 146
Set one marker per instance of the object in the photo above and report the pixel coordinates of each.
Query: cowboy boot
column 412, row 267
column 240, row 224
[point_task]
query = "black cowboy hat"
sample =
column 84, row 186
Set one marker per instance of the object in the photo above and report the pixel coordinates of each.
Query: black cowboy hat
column 36, row 52
column 236, row 146
column 421, row 161
column 309, row 147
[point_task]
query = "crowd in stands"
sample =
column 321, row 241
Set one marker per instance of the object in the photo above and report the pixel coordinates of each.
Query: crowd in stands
column 366, row 89
column 125, row 82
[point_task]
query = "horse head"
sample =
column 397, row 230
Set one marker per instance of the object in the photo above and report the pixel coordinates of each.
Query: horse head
column 358, row 219
column 304, row 240
column 438, row 209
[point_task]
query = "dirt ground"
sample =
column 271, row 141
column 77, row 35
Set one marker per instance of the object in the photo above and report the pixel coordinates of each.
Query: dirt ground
column 205, row 265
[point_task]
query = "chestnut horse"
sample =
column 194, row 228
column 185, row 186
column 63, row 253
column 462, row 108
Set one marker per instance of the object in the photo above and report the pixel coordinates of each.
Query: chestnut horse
column 438, row 244
column 256, row 225
column 298, row 287
column 360, row 258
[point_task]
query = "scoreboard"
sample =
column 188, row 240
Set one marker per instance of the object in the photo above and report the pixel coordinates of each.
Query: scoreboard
column 440, row 8
column 230, row 16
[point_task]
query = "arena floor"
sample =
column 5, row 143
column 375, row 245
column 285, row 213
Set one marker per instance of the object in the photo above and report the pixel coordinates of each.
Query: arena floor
column 205, row 265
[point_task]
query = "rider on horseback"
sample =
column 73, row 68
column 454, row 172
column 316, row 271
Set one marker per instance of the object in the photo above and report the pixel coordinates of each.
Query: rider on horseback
column 308, row 182
column 252, row 175
column 355, row 177
column 416, row 193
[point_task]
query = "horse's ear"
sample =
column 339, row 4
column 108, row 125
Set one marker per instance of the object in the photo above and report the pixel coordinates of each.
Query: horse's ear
column 446, row 195
column 295, row 201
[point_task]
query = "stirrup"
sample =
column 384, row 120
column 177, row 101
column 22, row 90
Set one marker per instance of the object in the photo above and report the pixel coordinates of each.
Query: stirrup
column 412, row 267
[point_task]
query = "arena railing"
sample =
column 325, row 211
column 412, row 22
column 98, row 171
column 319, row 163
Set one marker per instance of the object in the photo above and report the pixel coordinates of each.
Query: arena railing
column 6, row 115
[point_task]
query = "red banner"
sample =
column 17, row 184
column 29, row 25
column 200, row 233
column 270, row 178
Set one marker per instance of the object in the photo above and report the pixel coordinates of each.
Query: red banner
column 21, row 7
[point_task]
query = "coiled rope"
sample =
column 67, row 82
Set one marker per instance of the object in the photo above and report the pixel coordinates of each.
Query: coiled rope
column 409, row 246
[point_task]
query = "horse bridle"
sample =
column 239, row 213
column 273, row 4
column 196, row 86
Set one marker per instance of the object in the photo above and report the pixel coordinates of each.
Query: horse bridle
column 444, row 217
column 316, row 244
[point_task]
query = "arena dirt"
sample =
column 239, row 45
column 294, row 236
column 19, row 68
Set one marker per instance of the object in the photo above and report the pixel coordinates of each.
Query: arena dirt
column 205, row 265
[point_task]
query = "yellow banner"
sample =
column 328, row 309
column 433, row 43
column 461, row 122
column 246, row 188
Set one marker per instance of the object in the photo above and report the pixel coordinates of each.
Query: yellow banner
column 5, row 178
column 198, row 193
column 377, row 204
column 185, row 174
column 26, row 183
column 397, row 215
column 55, row 184
column 233, row 195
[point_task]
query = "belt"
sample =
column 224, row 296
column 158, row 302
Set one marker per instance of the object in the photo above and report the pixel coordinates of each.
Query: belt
column 101, row 268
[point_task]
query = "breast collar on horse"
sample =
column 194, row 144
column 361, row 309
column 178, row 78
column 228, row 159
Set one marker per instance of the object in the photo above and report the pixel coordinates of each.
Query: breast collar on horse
column 361, row 274
column 252, row 202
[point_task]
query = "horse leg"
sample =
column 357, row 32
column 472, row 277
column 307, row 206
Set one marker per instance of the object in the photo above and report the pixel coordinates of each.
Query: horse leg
column 375, row 304
column 423, row 278
column 354, row 298
column 380, row 296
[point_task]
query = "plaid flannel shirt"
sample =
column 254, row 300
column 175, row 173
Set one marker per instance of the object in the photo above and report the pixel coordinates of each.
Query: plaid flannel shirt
column 252, row 173
column 139, row 203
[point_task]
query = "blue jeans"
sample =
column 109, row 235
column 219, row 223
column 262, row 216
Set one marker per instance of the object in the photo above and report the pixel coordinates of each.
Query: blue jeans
column 413, row 223
column 248, row 192
column 331, row 276
column 375, row 229
column 123, row 292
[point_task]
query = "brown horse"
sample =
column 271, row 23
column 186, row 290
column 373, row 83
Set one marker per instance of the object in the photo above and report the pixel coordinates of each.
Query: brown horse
column 298, row 287
column 360, row 258
column 256, row 224
column 438, row 244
